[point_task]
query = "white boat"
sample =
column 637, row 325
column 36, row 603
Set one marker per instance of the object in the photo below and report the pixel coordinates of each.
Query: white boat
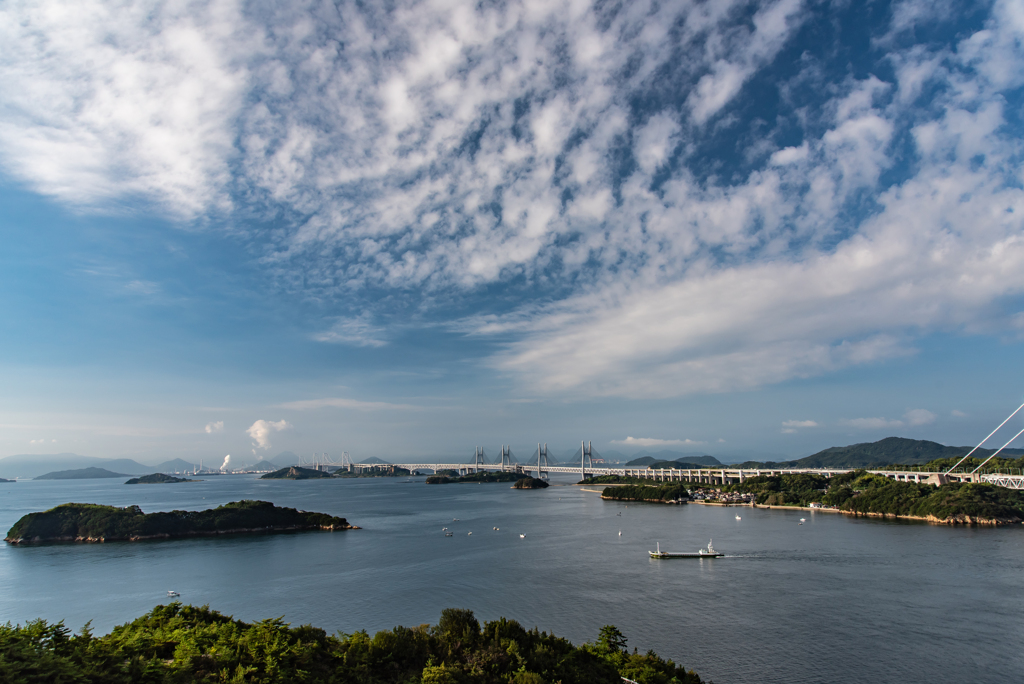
column 739, row 518
column 522, row 536
column 171, row 593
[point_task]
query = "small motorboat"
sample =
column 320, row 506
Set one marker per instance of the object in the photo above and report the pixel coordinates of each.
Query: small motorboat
column 469, row 534
column 171, row 593
column 449, row 534
column 803, row 519
column 739, row 518
column 620, row 533
column 522, row 536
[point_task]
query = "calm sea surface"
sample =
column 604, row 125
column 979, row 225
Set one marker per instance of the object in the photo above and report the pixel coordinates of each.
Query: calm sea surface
column 833, row 600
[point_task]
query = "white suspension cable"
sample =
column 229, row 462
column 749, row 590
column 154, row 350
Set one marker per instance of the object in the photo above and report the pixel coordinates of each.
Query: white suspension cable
column 985, row 440
column 997, row 451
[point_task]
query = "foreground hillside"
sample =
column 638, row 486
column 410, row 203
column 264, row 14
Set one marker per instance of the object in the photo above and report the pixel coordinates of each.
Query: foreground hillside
column 179, row 643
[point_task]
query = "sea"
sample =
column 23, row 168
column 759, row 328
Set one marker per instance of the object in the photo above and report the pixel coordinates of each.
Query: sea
column 829, row 599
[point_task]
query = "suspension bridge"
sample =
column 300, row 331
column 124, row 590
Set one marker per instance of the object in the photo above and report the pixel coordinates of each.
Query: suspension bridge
column 541, row 464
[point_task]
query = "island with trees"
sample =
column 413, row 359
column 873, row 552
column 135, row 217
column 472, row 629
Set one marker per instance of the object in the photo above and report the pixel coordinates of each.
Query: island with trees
column 74, row 522
column 182, row 643
column 90, row 473
column 530, row 483
column 859, row 492
column 670, row 493
column 158, row 478
column 296, row 473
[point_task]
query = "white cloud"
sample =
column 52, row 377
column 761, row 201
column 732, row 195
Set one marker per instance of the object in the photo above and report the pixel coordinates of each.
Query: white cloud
column 217, row 426
column 912, row 418
column 358, row 332
column 872, row 423
column 652, row 442
column 261, row 429
column 337, row 402
column 919, row 417
column 957, row 413
column 799, row 424
column 432, row 148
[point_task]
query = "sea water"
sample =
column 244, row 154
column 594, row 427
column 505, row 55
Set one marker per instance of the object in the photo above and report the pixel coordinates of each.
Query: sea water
column 835, row 599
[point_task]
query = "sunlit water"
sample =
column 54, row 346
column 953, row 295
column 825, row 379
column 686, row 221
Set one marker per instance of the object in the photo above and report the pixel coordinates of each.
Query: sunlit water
column 833, row 600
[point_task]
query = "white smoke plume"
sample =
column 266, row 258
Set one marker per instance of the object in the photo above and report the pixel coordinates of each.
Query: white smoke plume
column 261, row 429
column 227, row 460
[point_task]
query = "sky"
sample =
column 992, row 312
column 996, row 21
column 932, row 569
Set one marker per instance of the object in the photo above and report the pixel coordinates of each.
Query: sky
column 407, row 229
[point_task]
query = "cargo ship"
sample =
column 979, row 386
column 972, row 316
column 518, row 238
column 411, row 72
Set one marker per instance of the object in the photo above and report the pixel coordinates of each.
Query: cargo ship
column 708, row 552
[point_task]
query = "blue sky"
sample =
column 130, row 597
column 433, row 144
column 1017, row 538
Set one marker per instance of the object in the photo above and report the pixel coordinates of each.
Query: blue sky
column 406, row 229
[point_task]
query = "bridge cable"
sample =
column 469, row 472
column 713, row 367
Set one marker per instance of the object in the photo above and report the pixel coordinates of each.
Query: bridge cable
column 997, row 452
column 985, row 440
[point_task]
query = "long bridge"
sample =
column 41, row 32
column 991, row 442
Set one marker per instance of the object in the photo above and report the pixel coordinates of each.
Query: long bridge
column 540, row 466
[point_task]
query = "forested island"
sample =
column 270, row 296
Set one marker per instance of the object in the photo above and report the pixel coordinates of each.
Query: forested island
column 158, row 478
column 482, row 476
column 530, row 483
column 97, row 523
column 181, row 643
column 3, row 480
column 296, row 473
column 674, row 492
column 862, row 493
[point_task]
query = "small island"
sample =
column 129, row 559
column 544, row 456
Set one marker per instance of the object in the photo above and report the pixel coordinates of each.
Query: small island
column 530, row 483
column 95, row 523
column 158, row 478
column 666, row 494
column 3, row 480
column 482, row 476
column 296, row 473
column 79, row 474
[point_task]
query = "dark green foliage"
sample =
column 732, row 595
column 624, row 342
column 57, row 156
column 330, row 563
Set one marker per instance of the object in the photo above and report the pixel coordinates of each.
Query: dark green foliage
column 157, row 478
column 530, row 483
column 178, row 644
column 783, row 490
column 862, row 492
column 667, row 492
column 83, row 521
column 891, row 451
column 296, row 473
column 439, row 479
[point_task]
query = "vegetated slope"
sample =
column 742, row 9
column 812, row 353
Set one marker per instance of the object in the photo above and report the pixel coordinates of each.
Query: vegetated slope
column 675, row 491
column 33, row 465
column 79, row 474
column 865, row 493
column 180, row 643
column 295, row 473
column 93, row 522
column 482, row 476
column 647, row 458
column 888, row 451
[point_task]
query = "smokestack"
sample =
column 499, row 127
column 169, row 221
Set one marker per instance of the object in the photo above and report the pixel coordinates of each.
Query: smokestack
column 227, row 460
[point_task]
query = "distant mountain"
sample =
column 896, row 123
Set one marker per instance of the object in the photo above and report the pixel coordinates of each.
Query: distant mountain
column 647, row 458
column 373, row 460
column 33, row 465
column 79, row 474
column 126, row 465
column 262, row 465
column 285, row 459
column 175, row 465
column 888, row 451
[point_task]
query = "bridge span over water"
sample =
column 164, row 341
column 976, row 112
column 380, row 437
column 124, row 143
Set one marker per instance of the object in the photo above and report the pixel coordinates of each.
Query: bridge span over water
column 708, row 476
